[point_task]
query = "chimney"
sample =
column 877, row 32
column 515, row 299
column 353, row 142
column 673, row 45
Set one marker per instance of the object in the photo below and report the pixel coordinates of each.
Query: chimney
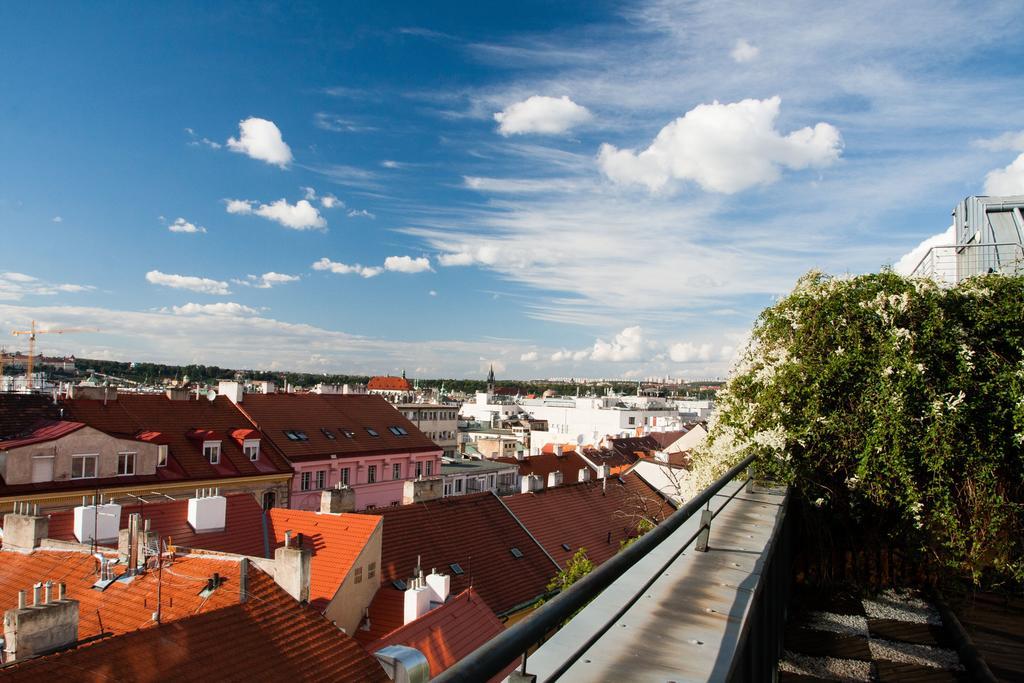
column 177, row 393
column 207, row 511
column 24, row 528
column 133, row 541
column 338, row 500
column 603, row 471
column 234, row 390
column 45, row 626
column 584, row 474
column 291, row 570
column 421, row 490
column 441, row 585
column 97, row 522
column 417, row 600
column 554, row 479
column 403, row 664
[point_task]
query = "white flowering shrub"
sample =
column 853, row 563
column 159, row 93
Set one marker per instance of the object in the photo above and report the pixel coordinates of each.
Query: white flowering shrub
column 895, row 409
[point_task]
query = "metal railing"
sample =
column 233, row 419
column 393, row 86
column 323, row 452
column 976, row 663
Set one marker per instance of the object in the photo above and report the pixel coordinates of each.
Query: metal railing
column 513, row 644
column 951, row 264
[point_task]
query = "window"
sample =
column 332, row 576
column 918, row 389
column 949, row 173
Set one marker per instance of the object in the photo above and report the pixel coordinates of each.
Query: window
column 458, row 486
column 371, row 474
column 83, row 466
column 251, row 449
column 344, row 476
column 565, row 547
column 456, row 569
column 125, row 464
column 211, row 451
column 349, row 434
column 371, row 570
column 632, row 420
column 516, row 552
column 161, row 456
column 359, row 574
column 419, row 470
column 321, row 479
column 399, row 584
column 394, row 430
column 296, row 435
column 304, row 480
column 328, row 433
column 396, row 471
column 372, row 432
column 430, row 467
column 447, row 489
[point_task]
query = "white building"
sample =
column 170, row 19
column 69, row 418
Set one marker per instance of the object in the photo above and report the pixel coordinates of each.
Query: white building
column 438, row 422
column 587, row 420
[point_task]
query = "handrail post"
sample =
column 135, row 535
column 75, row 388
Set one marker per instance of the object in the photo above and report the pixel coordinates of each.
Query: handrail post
column 705, row 530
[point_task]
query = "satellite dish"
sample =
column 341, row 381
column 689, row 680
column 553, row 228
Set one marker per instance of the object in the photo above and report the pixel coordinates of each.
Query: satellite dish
column 211, row 394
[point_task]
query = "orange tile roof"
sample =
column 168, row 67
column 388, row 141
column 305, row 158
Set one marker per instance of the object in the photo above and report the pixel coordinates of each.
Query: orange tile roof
column 389, row 383
column 475, row 531
column 268, row 638
column 336, row 541
column 122, row 607
column 448, row 633
column 312, row 413
column 242, row 534
column 588, row 515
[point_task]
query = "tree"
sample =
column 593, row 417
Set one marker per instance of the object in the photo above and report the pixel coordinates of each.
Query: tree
column 578, row 567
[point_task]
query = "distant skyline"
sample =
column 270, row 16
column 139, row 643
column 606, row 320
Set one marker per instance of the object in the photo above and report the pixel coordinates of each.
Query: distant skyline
column 562, row 190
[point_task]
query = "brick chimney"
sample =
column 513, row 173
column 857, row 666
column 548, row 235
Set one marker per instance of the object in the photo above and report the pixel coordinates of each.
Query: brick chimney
column 420, row 490
column 43, row 627
column 337, row 500
column 24, row 528
column 291, row 570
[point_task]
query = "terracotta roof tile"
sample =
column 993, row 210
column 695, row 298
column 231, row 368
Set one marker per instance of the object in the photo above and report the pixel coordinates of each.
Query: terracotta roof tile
column 388, row 383
column 242, row 534
column 569, row 463
column 268, row 638
column 337, row 413
column 588, row 515
column 336, row 541
column 448, row 633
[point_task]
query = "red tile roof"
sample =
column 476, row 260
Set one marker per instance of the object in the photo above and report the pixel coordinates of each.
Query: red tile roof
column 389, row 383
column 629, row 446
column 588, row 515
column 19, row 412
column 476, row 532
column 617, row 462
column 122, row 607
column 666, row 439
column 336, row 541
column 268, row 638
column 569, row 463
column 448, row 633
column 180, row 425
column 312, row 413
column 242, row 534
column 44, row 431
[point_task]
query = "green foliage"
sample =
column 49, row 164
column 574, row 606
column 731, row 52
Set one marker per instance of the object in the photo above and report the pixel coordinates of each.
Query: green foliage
column 642, row 527
column 893, row 407
column 578, row 567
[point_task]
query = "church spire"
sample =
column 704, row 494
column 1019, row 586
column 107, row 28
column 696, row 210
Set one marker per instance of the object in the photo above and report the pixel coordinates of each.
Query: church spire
column 490, row 379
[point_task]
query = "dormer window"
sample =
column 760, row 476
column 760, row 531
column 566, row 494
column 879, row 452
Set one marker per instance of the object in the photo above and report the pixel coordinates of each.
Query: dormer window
column 211, row 451
column 251, row 449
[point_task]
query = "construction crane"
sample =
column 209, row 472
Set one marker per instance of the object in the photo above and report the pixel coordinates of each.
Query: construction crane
column 32, row 332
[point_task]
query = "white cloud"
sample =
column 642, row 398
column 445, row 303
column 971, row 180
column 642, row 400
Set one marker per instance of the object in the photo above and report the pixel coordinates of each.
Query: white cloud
column 298, row 216
column 356, row 213
column 541, row 114
column 189, row 282
column 261, row 139
column 182, row 225
column 406, row 264
column 688, row 352
column 723, row 148
column 14, row 286
column 222, row 308
column 1005, row 181
column 1012, row 141
column 628, row 345
column 432, row 292
column 267, row 280
column 346, row 269
column 529, row 357
column 58, row 219
column 392, row 164
column 327, row 201
column 909, row 261
column 744, row 52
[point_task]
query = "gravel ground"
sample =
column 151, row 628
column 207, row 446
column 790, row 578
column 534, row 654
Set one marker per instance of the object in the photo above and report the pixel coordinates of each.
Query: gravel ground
column 826, row 667
column 902, row 605
column 909, row 653
column 846, row 624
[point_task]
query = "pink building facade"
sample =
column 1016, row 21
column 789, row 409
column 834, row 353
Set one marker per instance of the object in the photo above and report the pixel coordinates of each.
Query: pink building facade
column 378, row 480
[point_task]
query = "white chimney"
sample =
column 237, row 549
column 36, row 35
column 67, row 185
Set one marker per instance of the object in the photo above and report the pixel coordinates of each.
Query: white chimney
column 97, row 523
column 441, row 584
column 531, row 482
column 603, row 471
column 235, row 391
column 417, row 600
column 554, row 479
column 584, row 474
column 207, row 511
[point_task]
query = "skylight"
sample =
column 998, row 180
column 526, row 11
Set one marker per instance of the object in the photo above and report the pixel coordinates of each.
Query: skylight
column 566, row 547
column 399, row 584
column 328, row 433
column 372, row 432
column 349, row 434
column 398, row 431
column 456, row 569
column 516, row 553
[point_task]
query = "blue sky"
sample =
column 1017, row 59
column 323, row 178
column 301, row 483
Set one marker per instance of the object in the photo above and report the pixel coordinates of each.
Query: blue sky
column 571, row 189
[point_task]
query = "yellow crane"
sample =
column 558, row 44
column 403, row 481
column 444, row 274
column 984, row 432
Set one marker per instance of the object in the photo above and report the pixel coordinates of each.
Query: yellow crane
column 32, row 332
